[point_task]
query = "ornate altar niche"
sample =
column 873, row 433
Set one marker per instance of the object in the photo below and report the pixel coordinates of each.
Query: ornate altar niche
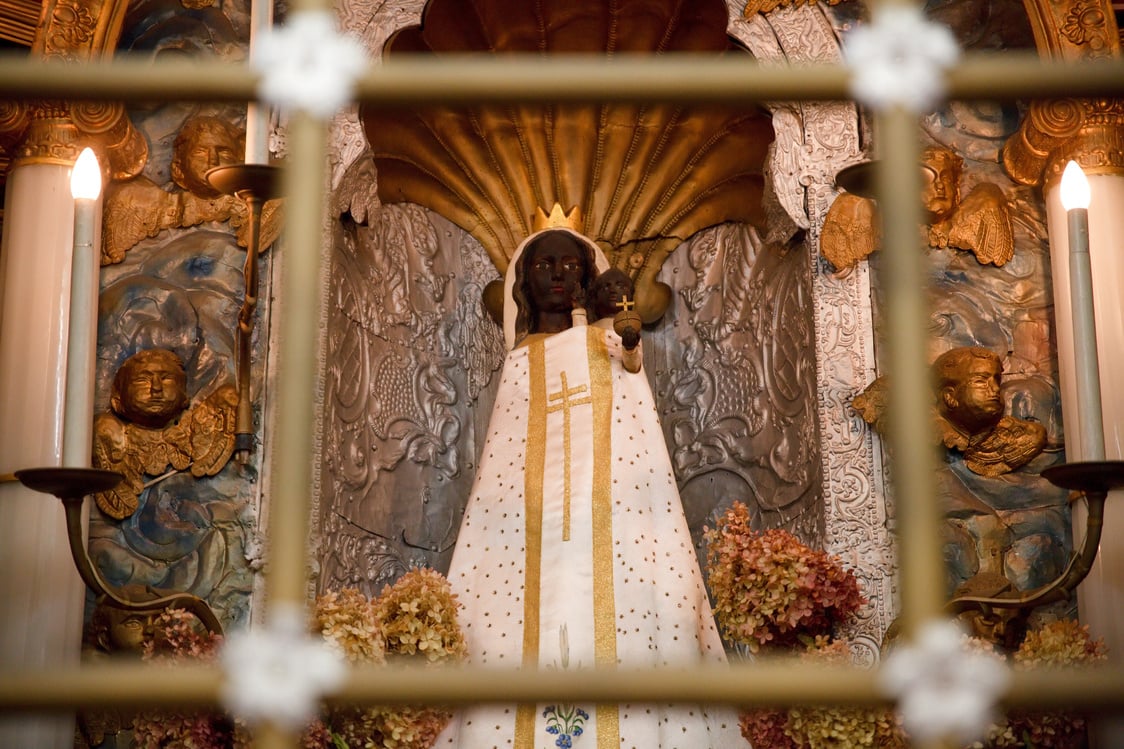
column 411, row 352
column 755, row 363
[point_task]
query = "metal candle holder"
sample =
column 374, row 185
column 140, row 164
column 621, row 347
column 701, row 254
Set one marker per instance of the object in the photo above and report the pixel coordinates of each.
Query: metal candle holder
column 255, row 184
column 1093, row 479
column 71, row 485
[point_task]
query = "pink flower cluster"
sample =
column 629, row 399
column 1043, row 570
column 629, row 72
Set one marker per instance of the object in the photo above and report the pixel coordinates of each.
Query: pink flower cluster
column 180, row 638
column 772, row 590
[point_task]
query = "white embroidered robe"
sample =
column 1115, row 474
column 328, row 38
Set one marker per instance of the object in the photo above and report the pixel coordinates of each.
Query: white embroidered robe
column 574, row 551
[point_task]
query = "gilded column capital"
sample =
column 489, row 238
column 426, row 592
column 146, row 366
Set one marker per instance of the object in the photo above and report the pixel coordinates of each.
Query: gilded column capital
column 1089, row 131
column 54, row 132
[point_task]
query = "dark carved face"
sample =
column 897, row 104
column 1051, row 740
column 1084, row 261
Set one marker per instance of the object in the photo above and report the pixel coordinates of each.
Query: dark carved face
column 608, row 291
column 210, row 145
column 555, row 270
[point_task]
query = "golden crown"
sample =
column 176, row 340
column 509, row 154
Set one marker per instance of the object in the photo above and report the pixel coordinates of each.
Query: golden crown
column 557, row 218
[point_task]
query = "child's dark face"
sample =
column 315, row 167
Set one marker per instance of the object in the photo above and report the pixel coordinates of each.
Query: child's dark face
column 609, row 290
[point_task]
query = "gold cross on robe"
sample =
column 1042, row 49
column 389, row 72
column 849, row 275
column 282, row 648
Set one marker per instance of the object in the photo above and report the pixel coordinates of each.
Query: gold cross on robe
column 567, row 402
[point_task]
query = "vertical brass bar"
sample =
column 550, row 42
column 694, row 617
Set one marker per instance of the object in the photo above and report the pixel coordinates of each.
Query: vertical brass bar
column 898, row 183
column 291, row 482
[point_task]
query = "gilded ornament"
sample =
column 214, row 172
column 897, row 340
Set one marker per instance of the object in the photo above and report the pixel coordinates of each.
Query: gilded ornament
column 138, row 208
column 151, row 427
column 968, row 413
column 1090, row 131
column 1074, row 30
column 851, row 232
column 979, row 223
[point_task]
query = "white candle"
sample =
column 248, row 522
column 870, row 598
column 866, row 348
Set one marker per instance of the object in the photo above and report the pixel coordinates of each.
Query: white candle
column 1075, row 196
column 78, row 403
column 257, row 113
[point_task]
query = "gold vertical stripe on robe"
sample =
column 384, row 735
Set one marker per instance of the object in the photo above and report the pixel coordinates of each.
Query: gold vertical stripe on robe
column 532, row 494
column 604, row 608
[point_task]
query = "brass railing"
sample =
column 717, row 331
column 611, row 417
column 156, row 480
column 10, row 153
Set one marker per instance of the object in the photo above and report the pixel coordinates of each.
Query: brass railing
column 669, row 79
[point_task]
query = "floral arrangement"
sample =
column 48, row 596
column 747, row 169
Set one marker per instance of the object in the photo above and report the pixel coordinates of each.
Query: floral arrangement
column 179, row 638
column 774, row 592
column 1062, row 643
column 809, row 727
column 770, row 589
column 414, row 618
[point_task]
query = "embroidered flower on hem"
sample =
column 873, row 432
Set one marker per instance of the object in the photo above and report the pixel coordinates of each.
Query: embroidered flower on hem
column 944, row 689
column 308, row 65
column 899, row 59
column 277, row 674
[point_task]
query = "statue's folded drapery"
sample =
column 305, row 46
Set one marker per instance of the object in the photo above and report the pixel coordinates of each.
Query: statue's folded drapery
column 574, row 552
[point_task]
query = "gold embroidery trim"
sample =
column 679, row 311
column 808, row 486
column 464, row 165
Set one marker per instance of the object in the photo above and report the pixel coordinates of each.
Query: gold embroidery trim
column 565, row 406
column 532, row 499
column 604, row 608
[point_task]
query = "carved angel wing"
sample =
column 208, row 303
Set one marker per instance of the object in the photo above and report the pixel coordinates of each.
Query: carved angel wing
column 850, row 231
column 272, row 218
column 982, row 224
column 211, row 426
column 135, row 210
column 112, row 452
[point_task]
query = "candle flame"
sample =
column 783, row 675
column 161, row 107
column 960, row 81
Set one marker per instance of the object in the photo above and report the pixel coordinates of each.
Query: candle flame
column 85, row 180
column 1075, row 187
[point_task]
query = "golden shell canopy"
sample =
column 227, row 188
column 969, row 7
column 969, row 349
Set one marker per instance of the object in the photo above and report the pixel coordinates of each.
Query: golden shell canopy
column 643, row 177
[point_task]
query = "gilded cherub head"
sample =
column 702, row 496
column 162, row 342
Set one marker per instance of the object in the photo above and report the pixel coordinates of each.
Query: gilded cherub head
column 941, row 172
column 150, row 388
column 968, row 394
column 202, row 144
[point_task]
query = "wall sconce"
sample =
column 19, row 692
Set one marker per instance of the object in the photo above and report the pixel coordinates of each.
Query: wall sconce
column 72, row 484
column 255, row 184
column 1093, row 480
column 75, row 479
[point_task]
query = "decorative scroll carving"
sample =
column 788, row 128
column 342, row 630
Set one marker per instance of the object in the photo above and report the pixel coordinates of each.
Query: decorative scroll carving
column 76, row 30
column 741, row 402
column 1076, row 30
column 54, row 132
column 410, row 349
column 828, row 139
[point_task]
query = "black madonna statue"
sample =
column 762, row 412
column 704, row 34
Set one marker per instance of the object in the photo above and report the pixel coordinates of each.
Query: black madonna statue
column 574, row 551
